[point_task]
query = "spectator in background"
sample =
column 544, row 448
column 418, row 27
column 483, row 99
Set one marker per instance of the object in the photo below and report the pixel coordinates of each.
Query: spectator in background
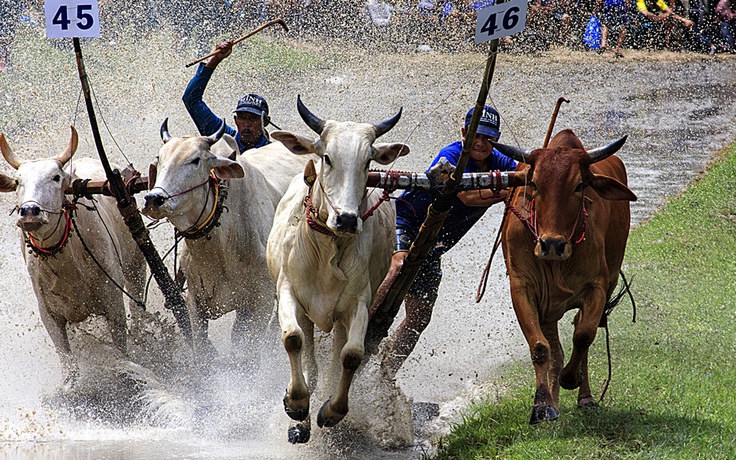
column 727, row 16
column 614, row 18
column 662, row 16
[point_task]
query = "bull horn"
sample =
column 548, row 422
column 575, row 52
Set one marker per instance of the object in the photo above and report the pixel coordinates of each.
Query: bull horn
column 386, row 125
column 8, row 153
column 165, row 136
column 516, row 153
column 66, row 155
column 314, row 122
column 212, row 139
column 602, row 153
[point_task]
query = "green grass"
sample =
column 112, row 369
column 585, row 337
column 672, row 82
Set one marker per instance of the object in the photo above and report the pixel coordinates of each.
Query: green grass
column 674, row 375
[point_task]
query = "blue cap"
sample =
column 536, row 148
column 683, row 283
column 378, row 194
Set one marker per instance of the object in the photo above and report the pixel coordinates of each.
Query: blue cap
column 252, row 103
column 489, row 123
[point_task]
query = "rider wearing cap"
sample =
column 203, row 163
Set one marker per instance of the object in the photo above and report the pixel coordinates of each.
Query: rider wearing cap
column 467, row 208
column 250, row 115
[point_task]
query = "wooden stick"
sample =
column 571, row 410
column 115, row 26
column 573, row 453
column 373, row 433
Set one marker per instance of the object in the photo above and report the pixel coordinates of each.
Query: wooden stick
column 552, row 121
column 253, row 32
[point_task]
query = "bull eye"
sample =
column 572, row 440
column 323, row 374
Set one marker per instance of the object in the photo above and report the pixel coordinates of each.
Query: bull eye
column 195, row 162
column 533, row 185
column 579, row 188
column 56, row 178
column 327, row 160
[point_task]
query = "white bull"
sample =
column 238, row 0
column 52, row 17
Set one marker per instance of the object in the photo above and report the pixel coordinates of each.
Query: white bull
column 224, row 257
column 68, row 283
column 326, row 260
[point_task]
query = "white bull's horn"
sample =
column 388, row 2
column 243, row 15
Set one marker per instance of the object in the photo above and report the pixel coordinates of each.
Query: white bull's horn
column 212, row 139
column 315, row 123
column 165, row 136
column 8, row 153
column 520, row 155
column 386, row 125
column 66, row 155
column 604, row 152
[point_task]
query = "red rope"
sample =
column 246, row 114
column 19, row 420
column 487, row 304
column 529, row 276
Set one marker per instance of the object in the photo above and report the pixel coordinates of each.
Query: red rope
column 68, row 207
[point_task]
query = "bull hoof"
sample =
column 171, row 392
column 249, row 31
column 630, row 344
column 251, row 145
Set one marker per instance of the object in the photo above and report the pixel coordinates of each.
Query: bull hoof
column 298, row 414
column 299, row 434
column 543, row 413
column 323, row 421
column 587, row 402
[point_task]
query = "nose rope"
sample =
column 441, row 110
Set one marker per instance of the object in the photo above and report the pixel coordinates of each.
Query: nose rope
column 170, row 196
column 531, row 222
column 33, row 244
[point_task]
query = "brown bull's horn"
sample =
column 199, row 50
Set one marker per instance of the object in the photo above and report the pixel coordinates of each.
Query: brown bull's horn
column 386, row 125
column 315, row 123
column 605, row 152
column 212, row 139
column 66, row 155
column 516, row 153
column 8, row 153
column 165, row 136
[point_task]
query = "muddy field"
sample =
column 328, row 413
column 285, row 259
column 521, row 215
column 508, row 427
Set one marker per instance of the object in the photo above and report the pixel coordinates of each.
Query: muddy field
column 677, row 109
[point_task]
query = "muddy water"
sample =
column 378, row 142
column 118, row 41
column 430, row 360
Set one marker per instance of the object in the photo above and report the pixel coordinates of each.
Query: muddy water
column 678, row 110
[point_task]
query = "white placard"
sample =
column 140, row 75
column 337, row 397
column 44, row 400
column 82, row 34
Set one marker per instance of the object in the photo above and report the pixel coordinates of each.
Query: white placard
column 500, row 20
column 72, row 18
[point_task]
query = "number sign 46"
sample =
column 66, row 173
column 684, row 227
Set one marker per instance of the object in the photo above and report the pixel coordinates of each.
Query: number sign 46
column 500, row 20
column 72, row 18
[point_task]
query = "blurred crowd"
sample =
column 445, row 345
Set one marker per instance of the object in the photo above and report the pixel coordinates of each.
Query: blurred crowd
column 705, row 26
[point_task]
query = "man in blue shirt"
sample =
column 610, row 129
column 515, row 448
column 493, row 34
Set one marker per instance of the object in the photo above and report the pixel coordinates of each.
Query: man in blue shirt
column 467, row 208
column 251, row 114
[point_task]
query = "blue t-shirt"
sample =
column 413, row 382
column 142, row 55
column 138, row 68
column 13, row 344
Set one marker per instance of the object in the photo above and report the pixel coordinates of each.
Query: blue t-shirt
column 205, row 119
column 412, row 205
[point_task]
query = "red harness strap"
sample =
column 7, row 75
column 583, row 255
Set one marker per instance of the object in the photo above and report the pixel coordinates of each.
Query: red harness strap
column 531, row 222
column 33, row 244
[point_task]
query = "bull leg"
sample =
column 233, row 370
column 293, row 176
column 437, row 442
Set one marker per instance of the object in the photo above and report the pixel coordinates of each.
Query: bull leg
column 556, row 360
column 585, row 397
column 351, row 355
column 296, row 399
column 56, row 327
column 586, row 326
column 204, row 351
column 544, row 405
column 118, row 327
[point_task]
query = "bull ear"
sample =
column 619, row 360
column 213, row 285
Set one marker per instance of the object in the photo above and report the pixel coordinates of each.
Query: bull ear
column 7, row 183
column 298, row 145
column 152, row 171
column 611, row 189
column 228, row 169
column 8, row 153
column 387, row 153
column 66, row 155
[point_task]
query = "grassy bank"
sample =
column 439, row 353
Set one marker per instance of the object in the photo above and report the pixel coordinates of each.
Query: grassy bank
column 672, row 392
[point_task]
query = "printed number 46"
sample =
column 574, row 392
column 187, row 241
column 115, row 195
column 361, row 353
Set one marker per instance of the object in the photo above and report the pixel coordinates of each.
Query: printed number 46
column 85, row 20
column 510, row 19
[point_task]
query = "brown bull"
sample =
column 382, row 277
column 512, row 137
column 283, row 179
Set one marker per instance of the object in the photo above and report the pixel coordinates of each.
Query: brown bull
column 565, row 255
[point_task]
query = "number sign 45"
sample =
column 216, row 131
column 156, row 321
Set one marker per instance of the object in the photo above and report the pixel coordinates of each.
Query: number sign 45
column 72, row 18
column 500, row 20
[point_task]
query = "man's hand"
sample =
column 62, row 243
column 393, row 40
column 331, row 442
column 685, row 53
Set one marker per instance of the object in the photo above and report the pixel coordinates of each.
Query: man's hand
column 223, row 50
column 397, row 261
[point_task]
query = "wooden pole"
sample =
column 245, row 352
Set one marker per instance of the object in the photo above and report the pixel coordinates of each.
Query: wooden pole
column 129, row 210
column 389, row 298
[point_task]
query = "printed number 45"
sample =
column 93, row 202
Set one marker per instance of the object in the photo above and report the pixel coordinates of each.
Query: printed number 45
column 509, row 21
column 85, row 19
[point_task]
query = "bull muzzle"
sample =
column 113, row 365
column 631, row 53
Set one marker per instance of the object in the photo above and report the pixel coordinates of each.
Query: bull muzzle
column 346, row 222
column 31, row 218
column 154, row 201
column 553, row 248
